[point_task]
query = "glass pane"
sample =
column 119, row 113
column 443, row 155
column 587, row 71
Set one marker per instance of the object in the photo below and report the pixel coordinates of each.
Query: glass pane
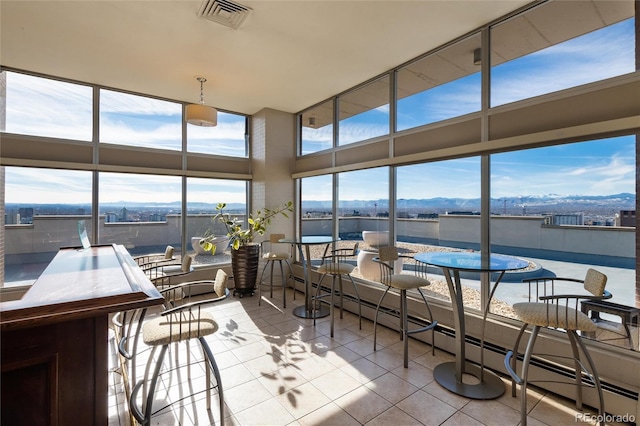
column 140, row 121
column 202, row 197
column 364, row 216
column 364, row 112
column 43, row 107
column 567, row 212
column 228, row 137
column 438, row 209
column 559, row 45
column 316, row 195
column 142, row 212
column 317, row 128
column 42, row 210
column 441, row 86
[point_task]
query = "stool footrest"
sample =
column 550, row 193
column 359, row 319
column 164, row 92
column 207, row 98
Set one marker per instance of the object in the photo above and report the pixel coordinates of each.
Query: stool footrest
column 507, row 365
column 421, row 329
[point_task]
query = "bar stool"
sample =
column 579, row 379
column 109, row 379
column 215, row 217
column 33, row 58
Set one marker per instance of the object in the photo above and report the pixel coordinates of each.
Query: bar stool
column 387, row 257
column 270, row 258
column 179, row 324
column 553, row 311
column 336, row 264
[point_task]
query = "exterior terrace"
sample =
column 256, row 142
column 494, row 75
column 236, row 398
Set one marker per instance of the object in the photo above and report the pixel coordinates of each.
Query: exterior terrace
column 613, row 254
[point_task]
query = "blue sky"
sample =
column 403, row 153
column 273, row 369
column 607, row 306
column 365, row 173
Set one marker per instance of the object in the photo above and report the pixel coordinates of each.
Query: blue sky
column 589, row 168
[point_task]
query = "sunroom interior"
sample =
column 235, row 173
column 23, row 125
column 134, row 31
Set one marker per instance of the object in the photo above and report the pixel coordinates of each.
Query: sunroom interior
column 493, row 112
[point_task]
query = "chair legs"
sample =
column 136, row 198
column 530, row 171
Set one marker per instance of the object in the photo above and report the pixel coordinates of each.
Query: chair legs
column 143, row 414
column 129, row 325
column 577, row 346
column 284, row 281
column 332, row 294
column 404, row 323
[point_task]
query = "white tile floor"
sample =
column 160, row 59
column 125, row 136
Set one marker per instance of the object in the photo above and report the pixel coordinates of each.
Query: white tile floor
column 278, row 369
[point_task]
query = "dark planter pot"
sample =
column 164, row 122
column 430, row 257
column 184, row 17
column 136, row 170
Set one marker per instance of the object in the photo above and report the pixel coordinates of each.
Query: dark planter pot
column 244, row 266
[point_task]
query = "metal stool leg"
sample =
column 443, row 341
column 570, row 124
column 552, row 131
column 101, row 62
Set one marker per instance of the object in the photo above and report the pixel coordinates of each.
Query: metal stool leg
column 525, row 375
column 405, row 325
column 216, row 373
column 375, row 317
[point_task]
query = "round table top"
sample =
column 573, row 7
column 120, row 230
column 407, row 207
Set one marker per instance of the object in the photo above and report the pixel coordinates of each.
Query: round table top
column 471, row 261
column 310, row 240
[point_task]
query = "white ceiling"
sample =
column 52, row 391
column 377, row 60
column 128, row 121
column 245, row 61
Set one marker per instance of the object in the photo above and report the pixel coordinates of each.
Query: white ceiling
column 288, row 55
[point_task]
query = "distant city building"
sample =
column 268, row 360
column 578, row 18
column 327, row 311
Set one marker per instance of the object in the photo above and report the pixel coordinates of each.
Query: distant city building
column 26, row 215
column 10, row 216
column 627, row 218
column 568, row 219
column 157, row 217
column 20, row 216
column 124, row 215
column 110, row 217
column 427, row 215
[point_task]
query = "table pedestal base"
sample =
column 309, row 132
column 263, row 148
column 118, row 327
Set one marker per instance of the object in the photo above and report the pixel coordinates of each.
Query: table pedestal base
column 303, row 312
column 490, row 388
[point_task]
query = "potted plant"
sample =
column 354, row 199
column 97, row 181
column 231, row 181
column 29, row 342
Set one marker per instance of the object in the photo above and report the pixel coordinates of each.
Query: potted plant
column 245, row 253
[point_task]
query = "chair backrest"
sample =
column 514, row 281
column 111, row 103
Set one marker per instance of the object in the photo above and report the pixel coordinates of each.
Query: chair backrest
column 386, row 259
column 220, row 284
column 388, row 254
column 186, row 263
column 275, row 238
column 168, row 253
column 595, row 282
column 355, row 249
column 272, row 243
column 340, row 255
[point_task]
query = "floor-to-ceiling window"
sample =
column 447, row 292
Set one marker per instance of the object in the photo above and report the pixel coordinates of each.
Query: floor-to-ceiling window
column 45, row 107
column 545, row 68
column 560, row 45
column 316, row 208
column 134, row 120
column 438, row 208
column 229, row 137
column 364, row 112
column 363, row 214
column 563, row 208
column 42, row 210
column 316, row 128
column 203, row 195
column 443, row 85
column 360, row 210
column 131, row 167
column 143, row 212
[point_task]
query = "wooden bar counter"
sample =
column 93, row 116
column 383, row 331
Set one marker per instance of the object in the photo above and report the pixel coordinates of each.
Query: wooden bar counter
column 54, row 340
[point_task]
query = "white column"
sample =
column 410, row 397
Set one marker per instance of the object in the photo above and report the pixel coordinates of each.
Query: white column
column 273, row 156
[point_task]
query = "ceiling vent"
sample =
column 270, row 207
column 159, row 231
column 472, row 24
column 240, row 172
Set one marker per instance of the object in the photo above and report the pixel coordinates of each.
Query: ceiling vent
column 225, row 12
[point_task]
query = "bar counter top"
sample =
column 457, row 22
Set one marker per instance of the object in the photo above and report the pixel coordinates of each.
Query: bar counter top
column 80, row 283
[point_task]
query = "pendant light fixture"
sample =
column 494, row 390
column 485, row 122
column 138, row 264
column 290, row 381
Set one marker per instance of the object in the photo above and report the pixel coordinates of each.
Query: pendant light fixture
column 200, row 114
